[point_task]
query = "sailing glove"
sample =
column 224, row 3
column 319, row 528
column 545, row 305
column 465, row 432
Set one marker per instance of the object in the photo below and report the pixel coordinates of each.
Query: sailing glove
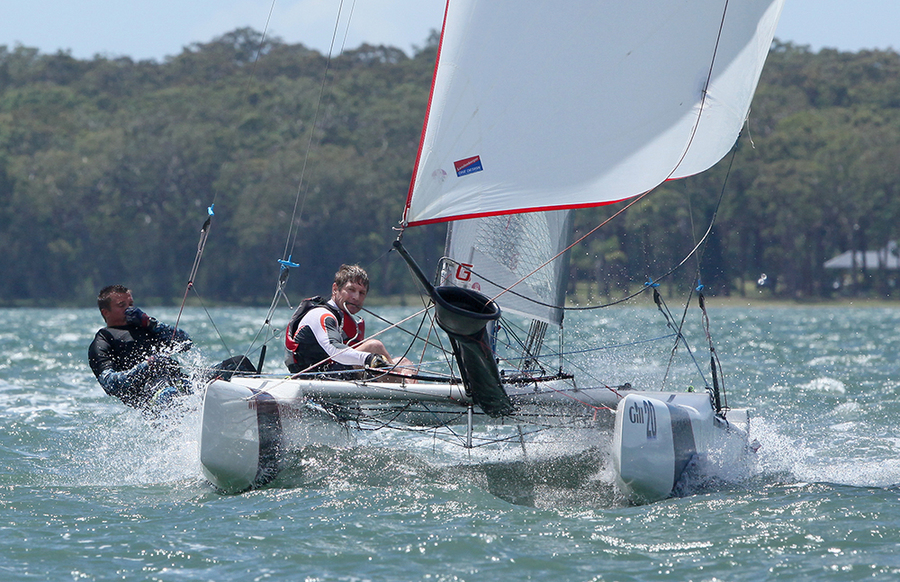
column 136, row 317
column 376, row 361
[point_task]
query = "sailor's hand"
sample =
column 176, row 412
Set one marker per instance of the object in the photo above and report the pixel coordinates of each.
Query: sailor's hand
column 136, row 317
column 377, row 361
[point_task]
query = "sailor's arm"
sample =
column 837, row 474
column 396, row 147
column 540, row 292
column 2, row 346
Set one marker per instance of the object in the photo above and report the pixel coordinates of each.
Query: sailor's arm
column 329, row 336
column 114, row 383
column 180, row 339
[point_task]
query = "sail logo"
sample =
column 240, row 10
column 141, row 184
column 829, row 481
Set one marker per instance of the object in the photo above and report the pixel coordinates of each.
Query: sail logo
column 468, row 166
column 463, row 272
column 645, row 414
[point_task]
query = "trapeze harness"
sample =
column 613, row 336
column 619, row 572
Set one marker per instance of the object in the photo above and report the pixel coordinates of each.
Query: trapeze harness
column 302, row 348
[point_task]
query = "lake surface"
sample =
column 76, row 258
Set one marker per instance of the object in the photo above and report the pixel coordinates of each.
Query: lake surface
column 91, row 490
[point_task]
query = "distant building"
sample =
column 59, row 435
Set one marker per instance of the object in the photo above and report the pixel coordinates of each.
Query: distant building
column 887, row 258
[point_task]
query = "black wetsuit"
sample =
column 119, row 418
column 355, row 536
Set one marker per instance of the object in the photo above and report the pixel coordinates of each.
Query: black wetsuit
column 119, row 357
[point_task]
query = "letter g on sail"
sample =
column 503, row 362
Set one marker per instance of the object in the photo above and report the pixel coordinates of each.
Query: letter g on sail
column 463, row 272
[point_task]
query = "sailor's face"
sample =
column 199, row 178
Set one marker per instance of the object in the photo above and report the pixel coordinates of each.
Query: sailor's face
column 350, row 297
column 118, row 303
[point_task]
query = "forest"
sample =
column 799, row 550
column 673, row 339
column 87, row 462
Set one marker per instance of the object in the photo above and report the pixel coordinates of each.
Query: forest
column 108, row 167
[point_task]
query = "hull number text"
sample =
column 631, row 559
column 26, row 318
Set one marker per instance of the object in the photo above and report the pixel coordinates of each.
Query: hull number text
column 644, row 413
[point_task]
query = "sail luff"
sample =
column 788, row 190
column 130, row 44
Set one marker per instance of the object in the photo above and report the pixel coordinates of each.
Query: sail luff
column 412, row 182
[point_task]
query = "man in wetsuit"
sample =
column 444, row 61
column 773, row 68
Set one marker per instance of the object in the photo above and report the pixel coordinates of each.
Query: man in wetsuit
column 131, row 355
column 321, row 332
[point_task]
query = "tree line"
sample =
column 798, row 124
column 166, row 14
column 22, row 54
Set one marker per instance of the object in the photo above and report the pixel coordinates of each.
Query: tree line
column 108, row 167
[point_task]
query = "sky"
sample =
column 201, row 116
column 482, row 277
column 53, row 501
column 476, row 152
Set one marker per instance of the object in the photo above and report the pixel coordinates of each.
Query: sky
column 155, row 29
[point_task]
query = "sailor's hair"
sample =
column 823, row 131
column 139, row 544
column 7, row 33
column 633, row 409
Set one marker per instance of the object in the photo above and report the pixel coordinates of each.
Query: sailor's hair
column 105, row 296
column 351, row 273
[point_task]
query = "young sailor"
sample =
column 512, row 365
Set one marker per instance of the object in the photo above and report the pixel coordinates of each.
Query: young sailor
column 323, row 335
column 131, row 356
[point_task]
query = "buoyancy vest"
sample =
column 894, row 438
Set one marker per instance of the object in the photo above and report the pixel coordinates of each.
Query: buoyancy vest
column 354, row 330
column 121, row 348
column 302, row 350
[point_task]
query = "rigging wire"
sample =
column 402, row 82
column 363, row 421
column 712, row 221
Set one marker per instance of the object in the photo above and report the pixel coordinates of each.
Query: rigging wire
column 204, row 230
column 686, row 303
column 302, row 185
column 699, row 288
column 413, row 334
column 376, row 334
column 286, row 261
column 679, row 336
column 705, row 94
column 201, row 245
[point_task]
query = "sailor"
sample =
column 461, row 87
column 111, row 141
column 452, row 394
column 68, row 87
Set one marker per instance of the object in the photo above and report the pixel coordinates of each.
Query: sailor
column 132, row 356
column 324, row 336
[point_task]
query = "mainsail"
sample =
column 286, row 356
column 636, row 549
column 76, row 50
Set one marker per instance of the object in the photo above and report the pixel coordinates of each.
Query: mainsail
column 545, row 106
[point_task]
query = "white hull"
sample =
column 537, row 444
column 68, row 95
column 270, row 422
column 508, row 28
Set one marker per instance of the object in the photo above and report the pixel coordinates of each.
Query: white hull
column 249, row 423
column 658, row 435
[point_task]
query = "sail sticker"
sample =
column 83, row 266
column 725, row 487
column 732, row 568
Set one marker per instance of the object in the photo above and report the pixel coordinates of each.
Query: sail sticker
column 468, row 166
column 463, row 272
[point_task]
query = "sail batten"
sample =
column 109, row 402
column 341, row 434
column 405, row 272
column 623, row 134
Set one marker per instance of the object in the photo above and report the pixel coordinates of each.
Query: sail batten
column 583, row 104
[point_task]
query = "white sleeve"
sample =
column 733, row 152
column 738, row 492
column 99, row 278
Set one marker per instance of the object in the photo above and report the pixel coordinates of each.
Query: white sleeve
column 325, row 328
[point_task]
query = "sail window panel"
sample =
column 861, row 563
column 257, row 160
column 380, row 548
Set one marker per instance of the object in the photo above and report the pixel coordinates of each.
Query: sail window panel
column 522, row 251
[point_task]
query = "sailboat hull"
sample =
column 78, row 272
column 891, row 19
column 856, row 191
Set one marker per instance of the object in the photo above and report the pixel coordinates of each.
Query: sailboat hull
column 229, row 439
column 659, row 435
column 246, row 431
column 249, row 425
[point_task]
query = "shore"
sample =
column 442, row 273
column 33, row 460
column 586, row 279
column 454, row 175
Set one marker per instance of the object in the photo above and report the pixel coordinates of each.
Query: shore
column 581, row 299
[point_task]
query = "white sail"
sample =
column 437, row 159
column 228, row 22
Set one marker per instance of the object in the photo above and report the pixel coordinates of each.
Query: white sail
column 494, row 253
column 582, row 103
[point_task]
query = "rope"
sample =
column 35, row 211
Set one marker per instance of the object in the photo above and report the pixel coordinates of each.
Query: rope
column 317, row 364
column 718, row 393
column 204, row 233
column 679, row 337
column 204, row 230
column 286, row 262
column 301, row 197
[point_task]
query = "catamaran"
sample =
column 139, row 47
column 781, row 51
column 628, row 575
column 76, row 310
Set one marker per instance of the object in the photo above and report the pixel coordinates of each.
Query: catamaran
column 536, row 110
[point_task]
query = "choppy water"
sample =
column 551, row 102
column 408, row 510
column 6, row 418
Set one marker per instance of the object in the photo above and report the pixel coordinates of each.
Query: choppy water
column 90, row 490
